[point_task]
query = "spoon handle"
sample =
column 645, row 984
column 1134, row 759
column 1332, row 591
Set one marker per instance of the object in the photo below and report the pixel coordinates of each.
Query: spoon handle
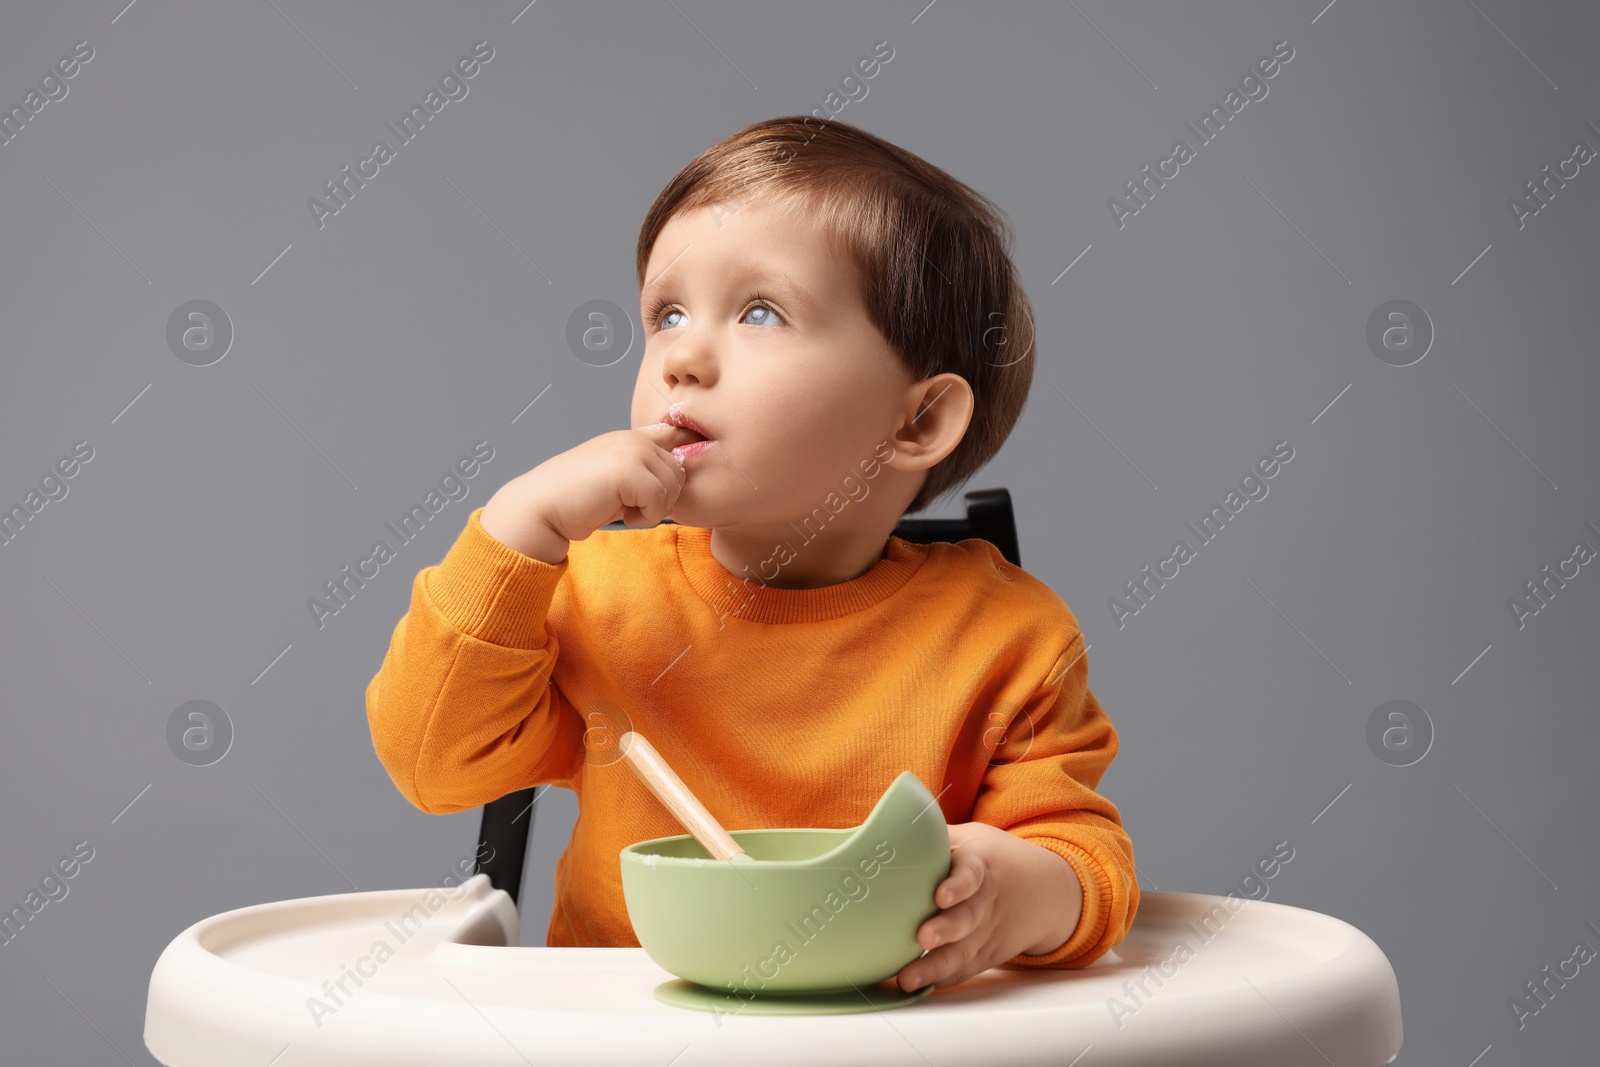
column 654, row 771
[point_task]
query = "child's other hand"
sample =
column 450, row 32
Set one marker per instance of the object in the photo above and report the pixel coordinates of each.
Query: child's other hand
column 625, row 474
column 1003, row 896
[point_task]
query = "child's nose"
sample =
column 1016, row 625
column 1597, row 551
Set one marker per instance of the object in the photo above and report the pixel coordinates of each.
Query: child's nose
column 690, row 358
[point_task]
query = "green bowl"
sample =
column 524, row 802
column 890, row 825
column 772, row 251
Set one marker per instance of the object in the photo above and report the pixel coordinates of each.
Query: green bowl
column 806, row 911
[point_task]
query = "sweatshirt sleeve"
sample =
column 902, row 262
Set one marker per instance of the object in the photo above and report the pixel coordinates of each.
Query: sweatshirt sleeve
column 463, row 709
column 1041, row 786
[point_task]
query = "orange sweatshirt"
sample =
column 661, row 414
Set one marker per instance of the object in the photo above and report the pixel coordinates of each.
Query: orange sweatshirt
column 777, row 707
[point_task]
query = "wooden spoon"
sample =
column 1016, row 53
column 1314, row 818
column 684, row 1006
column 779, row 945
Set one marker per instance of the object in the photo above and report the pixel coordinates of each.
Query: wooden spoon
column 654, row 771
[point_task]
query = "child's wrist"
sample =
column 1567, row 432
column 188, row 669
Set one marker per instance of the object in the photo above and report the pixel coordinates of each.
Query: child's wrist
column 523, row 532
column 544, row 545
column 1059, row 896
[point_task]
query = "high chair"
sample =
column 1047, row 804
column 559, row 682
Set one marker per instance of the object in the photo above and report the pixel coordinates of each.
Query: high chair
column 424, row 977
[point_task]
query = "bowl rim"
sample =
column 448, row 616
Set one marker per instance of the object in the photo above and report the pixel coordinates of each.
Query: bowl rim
column 635, row 854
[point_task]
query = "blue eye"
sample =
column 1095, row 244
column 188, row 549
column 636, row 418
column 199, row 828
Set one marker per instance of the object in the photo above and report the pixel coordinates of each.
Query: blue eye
column 771, row 315
column 652, row 317
column 659, row 312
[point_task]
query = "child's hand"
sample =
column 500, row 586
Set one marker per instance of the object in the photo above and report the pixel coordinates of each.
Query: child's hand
column 1003, row 896
column 625, row 474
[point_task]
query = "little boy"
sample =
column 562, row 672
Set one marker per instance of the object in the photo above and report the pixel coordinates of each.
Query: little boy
column 834, row 336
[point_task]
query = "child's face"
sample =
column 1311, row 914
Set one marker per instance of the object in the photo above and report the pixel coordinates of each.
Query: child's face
column 795, row 388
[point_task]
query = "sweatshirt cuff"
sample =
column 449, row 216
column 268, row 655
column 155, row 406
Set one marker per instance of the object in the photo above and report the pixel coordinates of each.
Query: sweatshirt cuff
column 1092, row 921
column 490, row 591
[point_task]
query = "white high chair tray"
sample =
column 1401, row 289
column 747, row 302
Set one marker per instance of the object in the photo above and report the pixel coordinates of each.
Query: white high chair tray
column 1273, row 985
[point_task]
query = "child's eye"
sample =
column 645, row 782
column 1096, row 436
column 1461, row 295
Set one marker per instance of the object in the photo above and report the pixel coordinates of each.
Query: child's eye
column 770, row 317
column 654, row 316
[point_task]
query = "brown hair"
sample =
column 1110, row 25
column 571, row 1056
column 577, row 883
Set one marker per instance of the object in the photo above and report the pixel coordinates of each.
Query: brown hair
column 932, row 254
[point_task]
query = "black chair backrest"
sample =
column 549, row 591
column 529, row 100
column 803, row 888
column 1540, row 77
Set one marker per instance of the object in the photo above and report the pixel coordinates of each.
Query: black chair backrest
column 989, row 516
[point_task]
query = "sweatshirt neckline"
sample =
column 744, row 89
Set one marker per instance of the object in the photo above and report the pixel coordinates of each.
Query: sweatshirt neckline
column 751, row 600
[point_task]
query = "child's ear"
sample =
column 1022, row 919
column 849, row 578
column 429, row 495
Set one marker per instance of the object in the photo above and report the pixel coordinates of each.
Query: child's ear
column 934, row 418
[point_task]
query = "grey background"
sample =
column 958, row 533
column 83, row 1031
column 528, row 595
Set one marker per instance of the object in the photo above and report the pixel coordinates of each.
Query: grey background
column 375, row 351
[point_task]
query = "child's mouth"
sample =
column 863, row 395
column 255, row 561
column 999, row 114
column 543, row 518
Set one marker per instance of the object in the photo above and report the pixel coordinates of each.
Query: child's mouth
column 687, row 443
column 682, row 435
